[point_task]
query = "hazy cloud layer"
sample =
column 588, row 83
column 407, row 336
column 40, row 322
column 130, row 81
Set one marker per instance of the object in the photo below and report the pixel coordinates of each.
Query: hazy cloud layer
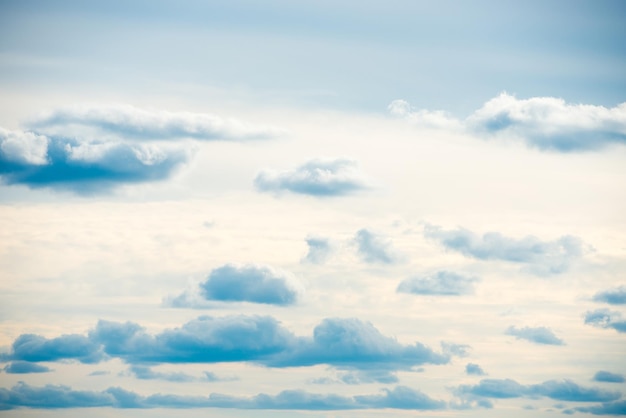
column 442, row 283
column 604, row 376
column 541, row 257
column 321, row 178
column 561, row 390
column 616, row 296
column 538, row 335
column 375, row 248
column 250, row 283
column 343, row 343
column 128, row 122
column 52, row 396
column 546, row 123
column 82, row 166
column 604, row 318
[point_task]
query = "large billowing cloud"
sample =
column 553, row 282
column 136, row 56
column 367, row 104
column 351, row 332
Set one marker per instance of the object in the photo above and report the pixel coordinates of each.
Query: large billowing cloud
column 130, row 122
column 540, row 257
column 250, row 283
column 616, row 296
column 444, row 283
column 546, row 123
column 320, row 177
column 343, row 343
column 83, row 166
column 562, row 390
column 538, row 335
column 52, row 396
column 374, row 248
column 604, row 318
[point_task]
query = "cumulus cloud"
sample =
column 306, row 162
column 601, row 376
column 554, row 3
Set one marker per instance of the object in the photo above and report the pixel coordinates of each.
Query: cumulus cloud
column 83, row 166
column 251, row 283
column 320, row 178
column 339, row 342
column 320, row 250
column 604, row 318
column 24, row 367
column 442, row 283
column 53, row 396
column 540, row 257
column 604, row 376
column 545, row 123
column 561, row 390
column 538, row 335
column 474, row 370
column 374, row 248
column 616, row 296
column 128, row 122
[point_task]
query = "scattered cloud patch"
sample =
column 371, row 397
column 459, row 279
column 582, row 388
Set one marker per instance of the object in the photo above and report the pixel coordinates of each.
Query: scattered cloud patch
column 35, row 348
column 51, row 396
column 545, row 123
column 24, row 367
column 146, row 373
column 608, row 377
column 604, row 318
column 616, row 296
column 607, row 408
column 319, row 250
column 83, row 166
column 251, row 283
column 538, row 335
column 541, row 257
column 320, row 178
column 474, row 370
column 442, row 283
column 561, row 390
column 129, row 122
column 374, row 248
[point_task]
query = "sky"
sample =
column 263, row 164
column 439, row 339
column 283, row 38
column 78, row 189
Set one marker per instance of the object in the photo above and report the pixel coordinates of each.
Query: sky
column 312, row 209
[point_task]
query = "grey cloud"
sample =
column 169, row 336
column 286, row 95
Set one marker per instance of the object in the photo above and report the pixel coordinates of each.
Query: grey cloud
column 604, row 318
column 374, row 248
column 126, row 122
column 250, row 283
column 83, row 166
column 24, row 367
column 320, row 178
column 541, row 257
column 562, row 390
column 442, row 283
column 51, row 396
column 604, row 376
column 616, row 296
column 539, row 335
column 545, row 123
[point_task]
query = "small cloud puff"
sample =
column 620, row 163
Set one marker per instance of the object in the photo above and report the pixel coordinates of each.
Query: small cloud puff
column 442, row 283
column 540, row 257
column 374, row 248
column 616, row 296
column 319, row 178
column 604, row 376
column 128, row 122
column 538, row 335
column 604, row 318
column 251, row 283
column 320, row 250
column 546, row 123
column 474, row 370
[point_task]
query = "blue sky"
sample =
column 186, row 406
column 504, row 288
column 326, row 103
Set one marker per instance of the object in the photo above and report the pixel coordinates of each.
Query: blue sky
column 312, row 209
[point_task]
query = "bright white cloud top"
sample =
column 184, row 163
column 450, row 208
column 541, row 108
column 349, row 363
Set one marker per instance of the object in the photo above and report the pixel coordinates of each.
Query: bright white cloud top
column 219, row 209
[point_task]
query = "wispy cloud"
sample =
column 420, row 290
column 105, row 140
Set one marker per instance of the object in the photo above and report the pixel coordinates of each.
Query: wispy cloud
column 52, row 396
column 375, row 248
column 146, row 373
column 546, row 123
column 541, row 257
column 443, row 283
column 604, row 318
column 538, row 335
column 320, row 178
column 129, row 122
column 319, row 249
